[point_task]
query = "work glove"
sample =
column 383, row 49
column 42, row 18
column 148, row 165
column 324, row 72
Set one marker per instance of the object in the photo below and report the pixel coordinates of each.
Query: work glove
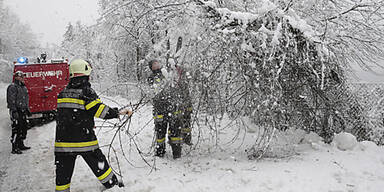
column 125, row 112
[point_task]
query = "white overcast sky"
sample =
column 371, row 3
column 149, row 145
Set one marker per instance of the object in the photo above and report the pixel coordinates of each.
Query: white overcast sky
column 49, row 18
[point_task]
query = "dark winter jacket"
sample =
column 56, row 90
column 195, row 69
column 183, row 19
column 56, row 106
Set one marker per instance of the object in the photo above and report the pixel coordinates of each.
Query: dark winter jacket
column 182, row 90
column 170, row 97
column 163, row 99
column 77, row 105
column 17, row 97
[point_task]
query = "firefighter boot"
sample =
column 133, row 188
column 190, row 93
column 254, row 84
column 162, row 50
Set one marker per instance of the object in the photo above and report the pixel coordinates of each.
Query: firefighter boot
column 15, row 149
column 160, row 150
column 22, row 146
column 187, row 139
column 112, row 182
column 176, row 150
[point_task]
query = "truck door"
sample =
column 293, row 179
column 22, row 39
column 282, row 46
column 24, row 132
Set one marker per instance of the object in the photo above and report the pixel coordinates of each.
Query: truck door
column 54, row 78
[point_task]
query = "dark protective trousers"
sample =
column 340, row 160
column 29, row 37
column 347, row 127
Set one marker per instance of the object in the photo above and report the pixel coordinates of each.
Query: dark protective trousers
column 19, row 128
column 65, row 164
column 186, row 127
column 171, row 122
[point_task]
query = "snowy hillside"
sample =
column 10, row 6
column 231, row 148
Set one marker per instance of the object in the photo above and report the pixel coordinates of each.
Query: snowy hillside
column 309, row 165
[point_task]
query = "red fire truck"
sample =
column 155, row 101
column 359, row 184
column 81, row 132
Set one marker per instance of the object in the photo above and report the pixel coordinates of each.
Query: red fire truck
column 44, row 80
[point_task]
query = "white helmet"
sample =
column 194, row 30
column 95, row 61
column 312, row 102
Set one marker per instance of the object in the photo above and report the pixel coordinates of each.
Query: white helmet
column 79, row 67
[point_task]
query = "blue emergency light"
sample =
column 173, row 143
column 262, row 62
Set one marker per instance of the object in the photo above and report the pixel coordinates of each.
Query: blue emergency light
column 22, row 60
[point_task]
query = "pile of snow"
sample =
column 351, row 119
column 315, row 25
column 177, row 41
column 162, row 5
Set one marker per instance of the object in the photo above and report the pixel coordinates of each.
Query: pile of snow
column 348, row 142
column 313, row 140
column 368, row 146
column 345, row 141
column 294, row 141
column 312, row 137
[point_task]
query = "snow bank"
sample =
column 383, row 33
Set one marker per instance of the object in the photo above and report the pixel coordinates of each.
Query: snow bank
column 299, row 141
column 368, row 146
column 312, row 137
column 345, row 141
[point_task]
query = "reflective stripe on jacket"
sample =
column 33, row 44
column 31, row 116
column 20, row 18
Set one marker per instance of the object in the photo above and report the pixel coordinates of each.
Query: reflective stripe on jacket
column 76, row 146
column 77, row 105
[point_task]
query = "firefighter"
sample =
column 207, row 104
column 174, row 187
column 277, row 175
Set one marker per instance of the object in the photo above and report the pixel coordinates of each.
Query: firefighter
column 77, row 105
column 17, row 100
column 185, row 104
column 165, row 112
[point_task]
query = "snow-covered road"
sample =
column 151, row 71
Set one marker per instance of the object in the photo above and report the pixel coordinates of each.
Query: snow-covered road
column 4, row 136
column 34, row 169
column 315, row 167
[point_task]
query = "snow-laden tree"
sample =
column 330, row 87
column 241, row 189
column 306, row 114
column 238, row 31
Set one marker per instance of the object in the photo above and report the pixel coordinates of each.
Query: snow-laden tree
column 263, row 61
column 16, row 39
column 84, row 42
column 280, row 74
column 352, row 30
column 77, row 40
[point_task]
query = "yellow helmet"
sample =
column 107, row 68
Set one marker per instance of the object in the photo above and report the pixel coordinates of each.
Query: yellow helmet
column 79, row 67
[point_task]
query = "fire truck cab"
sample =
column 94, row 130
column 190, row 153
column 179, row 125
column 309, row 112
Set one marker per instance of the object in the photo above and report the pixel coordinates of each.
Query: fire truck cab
column 44, row 79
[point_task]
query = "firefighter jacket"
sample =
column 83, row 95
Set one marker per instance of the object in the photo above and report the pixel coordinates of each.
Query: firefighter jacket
column 17, row 97
column 163, row 96
column 77, row 105
column 182, row 91
column 171, row 96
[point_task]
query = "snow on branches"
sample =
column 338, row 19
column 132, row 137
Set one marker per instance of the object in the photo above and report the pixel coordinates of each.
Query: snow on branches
column 263, row 61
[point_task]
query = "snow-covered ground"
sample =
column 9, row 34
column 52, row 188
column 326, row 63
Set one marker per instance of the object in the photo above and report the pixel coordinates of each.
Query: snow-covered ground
column 306, row 165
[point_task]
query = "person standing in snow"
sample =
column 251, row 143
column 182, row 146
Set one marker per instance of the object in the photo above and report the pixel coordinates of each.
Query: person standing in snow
column 77, row 105
column 183, row 102
column 17, row 102
column 168, row 110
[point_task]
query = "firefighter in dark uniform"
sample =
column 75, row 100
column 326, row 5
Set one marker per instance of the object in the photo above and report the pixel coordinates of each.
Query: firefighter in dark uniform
column 184, row 105
column 77, row 105
column 165, row 112
column 18, row 100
